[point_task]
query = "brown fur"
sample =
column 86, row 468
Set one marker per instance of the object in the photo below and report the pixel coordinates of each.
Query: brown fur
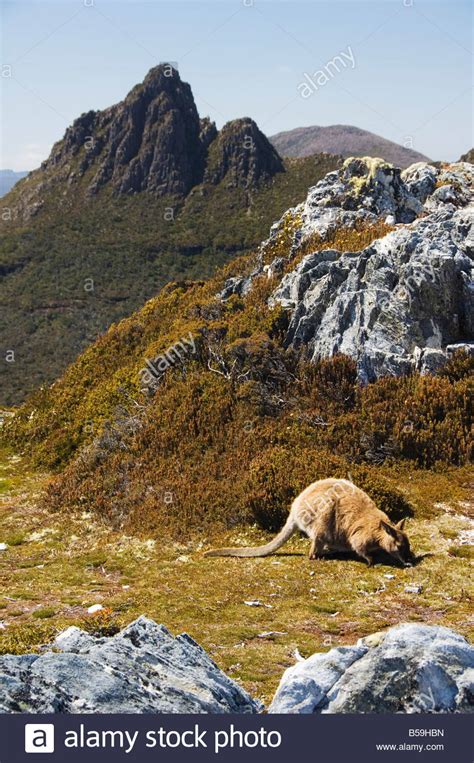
column 337, row 516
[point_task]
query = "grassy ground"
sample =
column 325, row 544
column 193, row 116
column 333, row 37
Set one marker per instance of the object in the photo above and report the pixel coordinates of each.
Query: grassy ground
column 56, row 565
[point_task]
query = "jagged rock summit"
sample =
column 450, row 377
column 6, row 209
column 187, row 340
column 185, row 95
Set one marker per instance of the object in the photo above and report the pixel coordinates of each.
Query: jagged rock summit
column 151, row 141
column 155, row 141
column 403, row 303
column 256, row 162
column 411, row 668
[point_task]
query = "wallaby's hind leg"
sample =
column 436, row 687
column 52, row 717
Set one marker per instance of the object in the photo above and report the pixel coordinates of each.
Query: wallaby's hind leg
column 316, row 548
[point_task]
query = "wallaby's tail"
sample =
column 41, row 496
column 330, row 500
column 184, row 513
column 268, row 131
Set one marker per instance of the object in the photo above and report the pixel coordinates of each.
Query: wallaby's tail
column 269, row 548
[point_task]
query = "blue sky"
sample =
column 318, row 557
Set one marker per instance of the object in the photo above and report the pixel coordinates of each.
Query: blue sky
column 411, row 81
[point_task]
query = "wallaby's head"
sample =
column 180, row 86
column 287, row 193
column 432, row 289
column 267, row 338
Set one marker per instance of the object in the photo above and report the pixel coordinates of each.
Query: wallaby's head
column 395, row 542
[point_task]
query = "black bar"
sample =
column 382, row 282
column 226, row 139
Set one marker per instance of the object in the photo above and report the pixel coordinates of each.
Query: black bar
column 304, row 738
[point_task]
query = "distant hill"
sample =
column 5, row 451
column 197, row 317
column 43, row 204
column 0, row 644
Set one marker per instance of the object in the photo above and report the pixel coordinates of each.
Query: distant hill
column 344, row 140
column 8, row 178
column 134, row 196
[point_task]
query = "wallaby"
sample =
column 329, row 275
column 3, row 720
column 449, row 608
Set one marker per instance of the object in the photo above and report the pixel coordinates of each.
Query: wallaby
column 337, row 516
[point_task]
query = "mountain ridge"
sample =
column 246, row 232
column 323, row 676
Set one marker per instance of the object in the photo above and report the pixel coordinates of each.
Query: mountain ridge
column 152, row 141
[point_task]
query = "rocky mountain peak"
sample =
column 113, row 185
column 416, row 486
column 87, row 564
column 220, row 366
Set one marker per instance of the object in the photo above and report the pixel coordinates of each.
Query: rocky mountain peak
column 243, row 155
column 152, row 139
column 155, row 141
column 162, row 77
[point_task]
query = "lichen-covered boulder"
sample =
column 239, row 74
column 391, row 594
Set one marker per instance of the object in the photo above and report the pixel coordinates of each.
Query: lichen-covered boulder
column 411, row 668
column 399, row 304
column 143, row 669
column 396, row 305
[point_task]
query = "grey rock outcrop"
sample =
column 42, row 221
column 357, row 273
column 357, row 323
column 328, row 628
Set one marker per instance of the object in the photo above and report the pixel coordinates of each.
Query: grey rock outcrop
column 366, row 190
column 400, row 303
column 142, row 669
column 412, row 668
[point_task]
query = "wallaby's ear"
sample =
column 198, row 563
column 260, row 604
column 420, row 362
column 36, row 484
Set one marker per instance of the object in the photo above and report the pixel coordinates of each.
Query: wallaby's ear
column 389, row 529
column 401, row 524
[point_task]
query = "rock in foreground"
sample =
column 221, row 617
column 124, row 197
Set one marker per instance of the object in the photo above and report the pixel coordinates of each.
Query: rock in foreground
column 143, row 669
column 412, row 668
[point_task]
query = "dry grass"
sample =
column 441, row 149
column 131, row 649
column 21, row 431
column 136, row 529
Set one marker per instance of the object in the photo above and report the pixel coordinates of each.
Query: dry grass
column 346, row 239
column 66, row 563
